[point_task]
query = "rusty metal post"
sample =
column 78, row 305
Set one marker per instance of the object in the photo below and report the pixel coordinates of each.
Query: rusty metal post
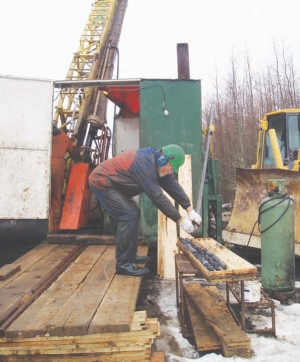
column 183, row 63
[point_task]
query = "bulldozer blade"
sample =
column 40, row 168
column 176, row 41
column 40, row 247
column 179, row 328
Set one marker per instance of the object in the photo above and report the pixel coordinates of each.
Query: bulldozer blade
column 251, row 189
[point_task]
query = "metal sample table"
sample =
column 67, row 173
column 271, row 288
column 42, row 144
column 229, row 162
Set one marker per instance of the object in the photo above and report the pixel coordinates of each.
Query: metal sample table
column 238, row 271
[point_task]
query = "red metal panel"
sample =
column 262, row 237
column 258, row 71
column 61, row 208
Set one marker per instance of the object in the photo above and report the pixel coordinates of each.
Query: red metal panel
column 77, row 201
column 126, row 98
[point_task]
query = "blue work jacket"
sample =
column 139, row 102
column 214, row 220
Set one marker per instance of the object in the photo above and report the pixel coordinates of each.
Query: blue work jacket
column 135, row 172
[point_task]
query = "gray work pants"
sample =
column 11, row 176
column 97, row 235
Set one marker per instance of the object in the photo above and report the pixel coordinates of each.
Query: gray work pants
column 127, row 214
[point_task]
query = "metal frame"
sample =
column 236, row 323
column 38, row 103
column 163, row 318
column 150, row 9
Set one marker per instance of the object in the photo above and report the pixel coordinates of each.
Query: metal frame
column 237, row 290
column 180, row 273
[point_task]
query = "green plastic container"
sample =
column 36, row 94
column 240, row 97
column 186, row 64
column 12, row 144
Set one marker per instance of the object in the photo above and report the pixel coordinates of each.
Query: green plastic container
column 277, row 245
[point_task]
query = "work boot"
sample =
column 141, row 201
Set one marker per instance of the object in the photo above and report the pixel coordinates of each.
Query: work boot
column 139, row 259
column 128, row 268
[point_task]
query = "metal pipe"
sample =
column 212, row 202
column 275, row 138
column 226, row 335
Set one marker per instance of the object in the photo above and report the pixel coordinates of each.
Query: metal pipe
column 117, row 77
column 74, row 111
column 96, row 83
column 101, row 77
column 87, row 133
column 18, row 308
column 200, row 195
column 183, row 62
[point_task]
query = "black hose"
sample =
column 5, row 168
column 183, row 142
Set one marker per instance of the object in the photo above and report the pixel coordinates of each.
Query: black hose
column 250, row 237
column 282, row 197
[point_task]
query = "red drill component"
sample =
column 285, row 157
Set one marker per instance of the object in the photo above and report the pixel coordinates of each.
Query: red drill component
column 77, row 202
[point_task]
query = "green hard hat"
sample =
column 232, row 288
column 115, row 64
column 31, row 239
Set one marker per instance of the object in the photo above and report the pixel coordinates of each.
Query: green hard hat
column 175, row 155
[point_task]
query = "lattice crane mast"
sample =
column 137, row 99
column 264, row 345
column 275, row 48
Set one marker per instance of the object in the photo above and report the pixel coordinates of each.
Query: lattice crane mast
column 82, row 112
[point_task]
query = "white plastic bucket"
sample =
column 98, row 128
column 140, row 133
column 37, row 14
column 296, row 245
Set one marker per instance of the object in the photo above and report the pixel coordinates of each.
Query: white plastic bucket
column 252, row 291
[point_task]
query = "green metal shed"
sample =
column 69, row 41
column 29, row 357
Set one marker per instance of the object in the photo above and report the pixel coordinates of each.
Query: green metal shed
column 170, row 112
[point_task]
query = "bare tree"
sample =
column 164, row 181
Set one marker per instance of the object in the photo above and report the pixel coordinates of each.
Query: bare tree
column 241, row 99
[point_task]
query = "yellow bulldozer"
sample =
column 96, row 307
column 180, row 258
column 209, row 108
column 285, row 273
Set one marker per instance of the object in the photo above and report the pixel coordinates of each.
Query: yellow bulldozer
column 278, row 157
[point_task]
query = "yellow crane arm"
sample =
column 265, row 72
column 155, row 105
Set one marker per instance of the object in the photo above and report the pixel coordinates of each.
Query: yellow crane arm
column 73, row 104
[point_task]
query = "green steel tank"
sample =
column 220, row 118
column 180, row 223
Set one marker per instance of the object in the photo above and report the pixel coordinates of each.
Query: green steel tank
column 276, row 219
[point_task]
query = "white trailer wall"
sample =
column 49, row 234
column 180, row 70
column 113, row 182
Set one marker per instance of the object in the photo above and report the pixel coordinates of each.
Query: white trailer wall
column 25, row 147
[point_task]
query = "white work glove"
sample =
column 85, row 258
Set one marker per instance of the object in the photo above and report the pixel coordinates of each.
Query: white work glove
column 187, row 226
column 194, row 217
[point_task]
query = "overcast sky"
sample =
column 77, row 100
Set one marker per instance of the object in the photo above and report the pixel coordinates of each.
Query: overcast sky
column 38, row 38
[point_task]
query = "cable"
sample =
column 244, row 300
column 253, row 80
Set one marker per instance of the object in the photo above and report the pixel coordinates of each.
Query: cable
column 282, row 197
column 250, row 237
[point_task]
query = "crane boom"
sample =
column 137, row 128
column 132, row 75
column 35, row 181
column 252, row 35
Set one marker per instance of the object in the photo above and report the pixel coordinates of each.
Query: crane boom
column 94, row 59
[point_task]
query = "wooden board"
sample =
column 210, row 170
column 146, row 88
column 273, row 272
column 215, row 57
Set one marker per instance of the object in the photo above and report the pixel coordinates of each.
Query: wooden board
column 78, row 311
column 166, row 245
column 116, row 310
column 237, row 267
column 205, row 338
column 185, row 180
column 27, row 260
column 90, row 239
column 157, row 357
column 213, row 308
column 184, row 265
column 24, row 284
column 167, row 228
column 8, row 270
column 139, row 321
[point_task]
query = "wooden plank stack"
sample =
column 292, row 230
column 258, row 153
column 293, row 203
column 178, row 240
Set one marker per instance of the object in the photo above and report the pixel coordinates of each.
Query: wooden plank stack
column 213, row 325
column 205, row 338
column 86, row 314
column 134, row 345
column 216, row 327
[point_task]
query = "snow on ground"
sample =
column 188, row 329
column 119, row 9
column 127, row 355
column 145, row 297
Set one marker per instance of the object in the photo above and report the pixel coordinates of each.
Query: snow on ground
column 264, row 348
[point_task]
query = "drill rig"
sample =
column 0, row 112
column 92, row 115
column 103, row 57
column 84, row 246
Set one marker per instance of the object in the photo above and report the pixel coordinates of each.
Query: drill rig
column 152, row 113
column 142, row 121
column 81, row 112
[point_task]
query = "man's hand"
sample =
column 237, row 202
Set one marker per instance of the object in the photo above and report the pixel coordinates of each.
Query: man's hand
column 194, row 217
column 187, row 226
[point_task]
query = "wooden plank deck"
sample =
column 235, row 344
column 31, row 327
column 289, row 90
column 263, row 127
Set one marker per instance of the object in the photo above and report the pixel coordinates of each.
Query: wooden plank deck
column 86, row 300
